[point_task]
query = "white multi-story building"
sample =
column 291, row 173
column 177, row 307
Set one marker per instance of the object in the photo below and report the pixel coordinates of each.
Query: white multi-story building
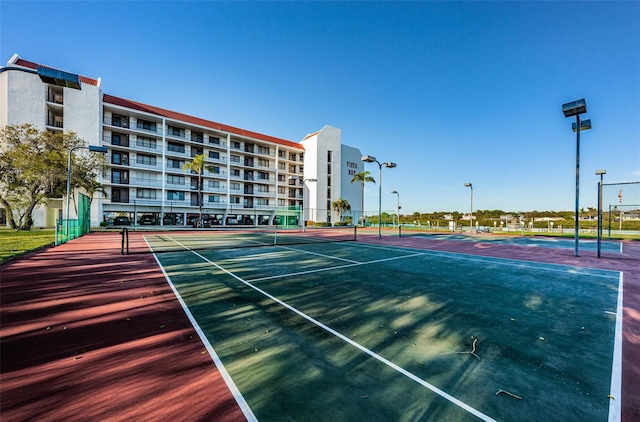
column 250, row 178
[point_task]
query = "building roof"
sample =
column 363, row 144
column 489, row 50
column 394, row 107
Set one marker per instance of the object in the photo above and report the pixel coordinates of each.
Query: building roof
column 122, row 102
column 16, row 60
column 34, row 66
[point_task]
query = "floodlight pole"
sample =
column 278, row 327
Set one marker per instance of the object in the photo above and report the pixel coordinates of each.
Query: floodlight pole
column 576, row 108
column 469, row 185
column 398, row 206
column 92, row 148
column 370, row 159
column 601, row 173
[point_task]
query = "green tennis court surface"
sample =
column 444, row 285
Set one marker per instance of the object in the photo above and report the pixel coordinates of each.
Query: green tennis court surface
column 349, row 331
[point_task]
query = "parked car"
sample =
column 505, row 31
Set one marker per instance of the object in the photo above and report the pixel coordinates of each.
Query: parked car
column 147, row 219
column 121, row 221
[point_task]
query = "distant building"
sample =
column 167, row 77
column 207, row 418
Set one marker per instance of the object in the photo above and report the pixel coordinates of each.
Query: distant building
column 251, row 179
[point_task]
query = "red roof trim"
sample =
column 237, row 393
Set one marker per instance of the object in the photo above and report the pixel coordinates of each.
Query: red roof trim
column 32, row 65
column 196, row 120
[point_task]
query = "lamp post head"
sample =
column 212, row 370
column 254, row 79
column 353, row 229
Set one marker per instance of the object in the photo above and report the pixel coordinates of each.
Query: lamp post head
column 389, row 165
column 601, row 172
column 574, row 108
column 584, row 125
column 94, row 148
column 368, row 159
column 468, row 185
column 394, row 192
column 310, row 180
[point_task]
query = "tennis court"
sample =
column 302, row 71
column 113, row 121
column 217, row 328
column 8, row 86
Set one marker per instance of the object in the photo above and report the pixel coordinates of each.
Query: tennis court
column 348, row 330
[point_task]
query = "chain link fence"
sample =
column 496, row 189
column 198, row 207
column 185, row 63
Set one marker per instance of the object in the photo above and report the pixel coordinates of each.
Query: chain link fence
column 619, row 234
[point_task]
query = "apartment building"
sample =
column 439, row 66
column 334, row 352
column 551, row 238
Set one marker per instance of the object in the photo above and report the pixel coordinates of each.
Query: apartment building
column 249, row 179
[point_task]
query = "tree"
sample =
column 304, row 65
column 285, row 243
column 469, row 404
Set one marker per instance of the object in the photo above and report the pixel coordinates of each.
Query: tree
column 33, row 169
column 362, row 178
column 198, row 166
column 341, row 205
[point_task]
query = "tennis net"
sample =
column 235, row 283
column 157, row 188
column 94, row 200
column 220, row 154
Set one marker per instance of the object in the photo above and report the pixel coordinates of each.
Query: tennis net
column 227, row 238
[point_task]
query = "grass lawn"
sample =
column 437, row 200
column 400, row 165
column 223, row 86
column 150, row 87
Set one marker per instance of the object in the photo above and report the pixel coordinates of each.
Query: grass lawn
column 15, row 243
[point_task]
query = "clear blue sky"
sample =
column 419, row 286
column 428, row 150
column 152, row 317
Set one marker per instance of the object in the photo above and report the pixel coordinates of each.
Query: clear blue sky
column 453, row 92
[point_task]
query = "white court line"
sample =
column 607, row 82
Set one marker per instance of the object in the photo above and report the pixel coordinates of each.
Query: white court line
column 374, row 355
column 244, row 406
column 318, row 254
column 318, row 270
column 616, row 367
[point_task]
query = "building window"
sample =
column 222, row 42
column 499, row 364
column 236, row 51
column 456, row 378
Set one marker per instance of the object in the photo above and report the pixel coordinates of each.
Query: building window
column 175, row 147
column 175, row 180
column 235, row 199
column 235, row 186
column 235, row 158
column 173, row 195
column 146, row 194
column 120, row 177
column 281, row 202
column 120, row 195
column 119, row 139
column 143, row 142
column 214, row 140
column 175, row 131
column 146, row 125
column 119, row 121
column 174, row 164
column 282, row 190
column 214, row 198
column 262, row 201
column 146, row 159
column 235, row 172
column 235, row 144
column 214, row 184
column 263, row 176
column 121, row 158
column 214, row 155
column 197, row 137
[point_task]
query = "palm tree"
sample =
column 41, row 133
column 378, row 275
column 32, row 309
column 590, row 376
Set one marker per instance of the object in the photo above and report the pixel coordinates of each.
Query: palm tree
column 341, row 205
column 197, row 166
column 362, row 178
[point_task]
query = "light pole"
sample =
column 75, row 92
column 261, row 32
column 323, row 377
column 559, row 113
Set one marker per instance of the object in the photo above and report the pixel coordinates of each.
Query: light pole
column 370, row 159
column 469, row 185
column 601, row 173
column 91, row 148
column 576, row 108
column 398, row 207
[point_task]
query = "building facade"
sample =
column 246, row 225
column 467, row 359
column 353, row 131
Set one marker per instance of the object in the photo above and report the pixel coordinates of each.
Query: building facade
column 249, row 178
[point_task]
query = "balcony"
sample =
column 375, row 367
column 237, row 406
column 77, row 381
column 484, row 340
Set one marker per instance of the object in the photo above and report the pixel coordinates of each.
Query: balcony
column 54, row 121
column 116, row 121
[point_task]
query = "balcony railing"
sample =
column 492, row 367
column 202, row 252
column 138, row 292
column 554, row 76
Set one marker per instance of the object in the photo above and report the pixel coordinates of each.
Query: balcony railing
column 116, row 122
column 54, row 121
column 146, row 182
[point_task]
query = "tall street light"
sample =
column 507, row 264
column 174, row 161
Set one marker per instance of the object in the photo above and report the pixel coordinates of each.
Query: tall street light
column 370, row 159
column 92, row 148
column 398, row 207
column 469, row 185
column 601, row 173
column 576, row 108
